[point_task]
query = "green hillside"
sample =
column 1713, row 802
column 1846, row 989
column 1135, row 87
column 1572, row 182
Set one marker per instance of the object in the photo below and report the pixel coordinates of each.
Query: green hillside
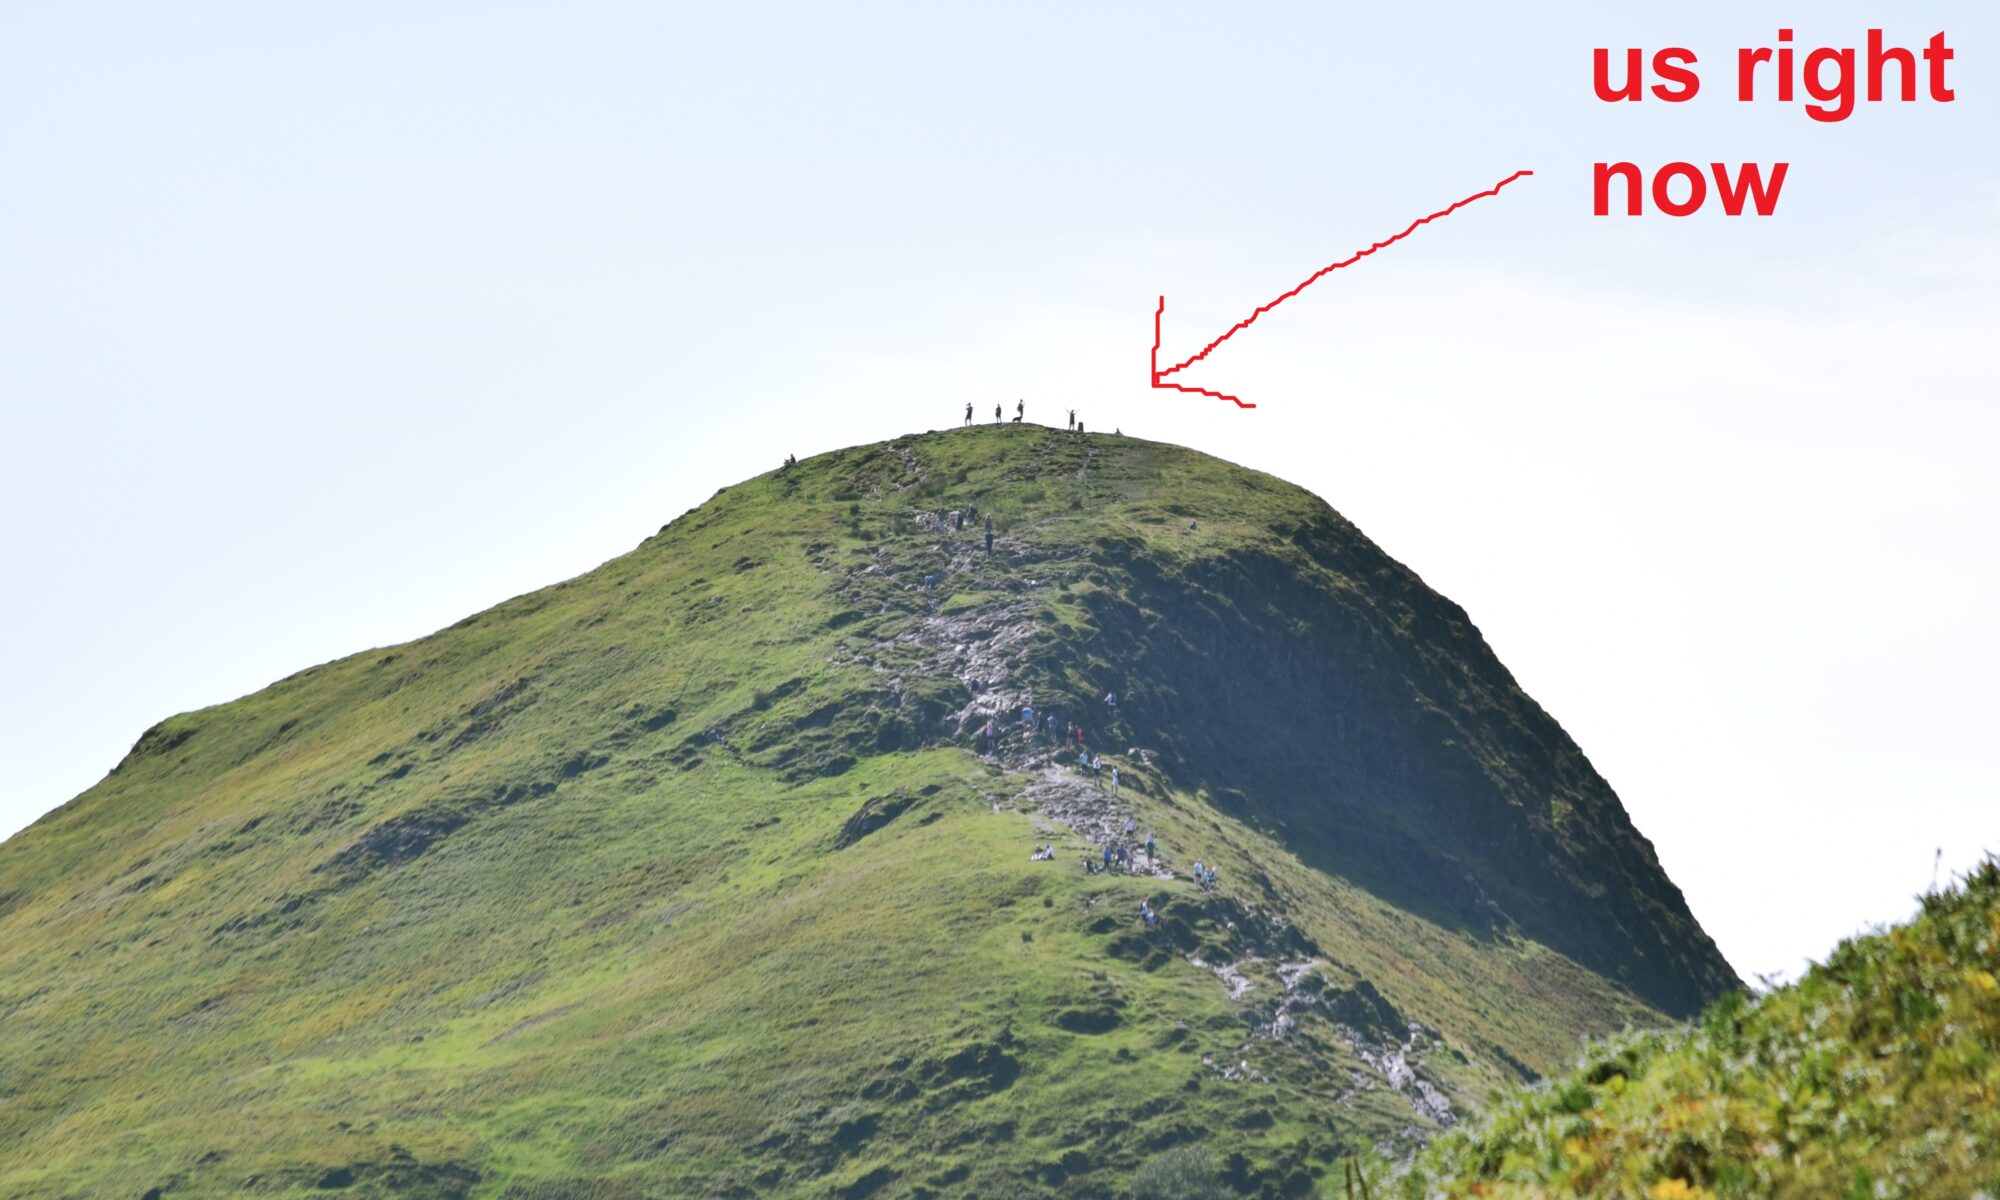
column 1875, row 1077
column 694, row 876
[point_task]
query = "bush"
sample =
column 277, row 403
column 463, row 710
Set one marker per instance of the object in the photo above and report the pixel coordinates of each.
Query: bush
column 1182, row 1173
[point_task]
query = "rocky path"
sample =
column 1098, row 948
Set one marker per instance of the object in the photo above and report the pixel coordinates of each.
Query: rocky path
column 985, row 648
column 1277, row 977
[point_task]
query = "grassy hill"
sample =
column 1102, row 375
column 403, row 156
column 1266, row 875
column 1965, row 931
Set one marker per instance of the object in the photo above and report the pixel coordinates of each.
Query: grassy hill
column 695, row 875
column 1875, row 1077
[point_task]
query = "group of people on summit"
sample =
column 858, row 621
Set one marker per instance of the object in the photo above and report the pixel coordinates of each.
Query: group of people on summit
column 1020, row 413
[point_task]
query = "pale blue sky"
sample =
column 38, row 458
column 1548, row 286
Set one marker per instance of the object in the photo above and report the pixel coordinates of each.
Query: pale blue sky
column 322, row 326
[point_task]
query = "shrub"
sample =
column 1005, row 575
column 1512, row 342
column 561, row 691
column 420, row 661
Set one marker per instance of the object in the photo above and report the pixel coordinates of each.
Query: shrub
column 1182, row 1173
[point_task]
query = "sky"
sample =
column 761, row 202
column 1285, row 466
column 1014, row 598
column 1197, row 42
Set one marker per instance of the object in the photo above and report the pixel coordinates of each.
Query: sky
column 323, row 326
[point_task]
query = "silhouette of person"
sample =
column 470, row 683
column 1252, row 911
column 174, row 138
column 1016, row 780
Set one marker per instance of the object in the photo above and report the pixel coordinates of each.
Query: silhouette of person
column 996, row 414
column 968, row 412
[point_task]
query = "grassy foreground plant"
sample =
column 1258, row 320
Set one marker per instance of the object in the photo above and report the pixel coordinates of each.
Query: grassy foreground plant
column 1874, row 1077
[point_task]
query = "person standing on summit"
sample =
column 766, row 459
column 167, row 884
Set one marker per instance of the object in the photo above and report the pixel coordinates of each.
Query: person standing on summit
column 968, row 412
column 1020, row 410
column 996, row 414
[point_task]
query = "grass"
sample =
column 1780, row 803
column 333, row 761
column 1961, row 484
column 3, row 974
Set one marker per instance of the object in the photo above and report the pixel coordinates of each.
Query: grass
column 1874, row 1077
column 555, row 902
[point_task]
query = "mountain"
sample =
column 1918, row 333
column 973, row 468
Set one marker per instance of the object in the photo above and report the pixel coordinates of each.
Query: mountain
column 696, row 874
column 1875, row 1077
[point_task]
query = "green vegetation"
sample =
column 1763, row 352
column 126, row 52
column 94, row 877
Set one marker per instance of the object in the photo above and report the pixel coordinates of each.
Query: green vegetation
column 1182, row 1173
column 688, row 876
column 1875, row 1077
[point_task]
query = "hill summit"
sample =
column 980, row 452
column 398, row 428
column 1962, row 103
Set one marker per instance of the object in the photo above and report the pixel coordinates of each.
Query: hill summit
column 770, row 859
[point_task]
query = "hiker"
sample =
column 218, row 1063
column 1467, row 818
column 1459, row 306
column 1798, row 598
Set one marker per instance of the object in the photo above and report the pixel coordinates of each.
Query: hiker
column 1079, row 735
column 1107, row 858
column 996, row 414
column 1072, row 419
column 1150, row 856
column 1083, row 760
column 968, row 412
column 930, row 581
column 1128, row 820
column 1111, row 699
column 1097, row 771
column 989, row 535
column 1197, row 870
column 1020, row 410
column 989, row 731
column 1028, row 715
column 1114, row 796
column 958, row 522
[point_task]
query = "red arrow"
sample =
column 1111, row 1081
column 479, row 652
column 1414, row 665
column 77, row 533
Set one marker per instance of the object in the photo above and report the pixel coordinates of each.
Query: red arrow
column 1159, row 377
